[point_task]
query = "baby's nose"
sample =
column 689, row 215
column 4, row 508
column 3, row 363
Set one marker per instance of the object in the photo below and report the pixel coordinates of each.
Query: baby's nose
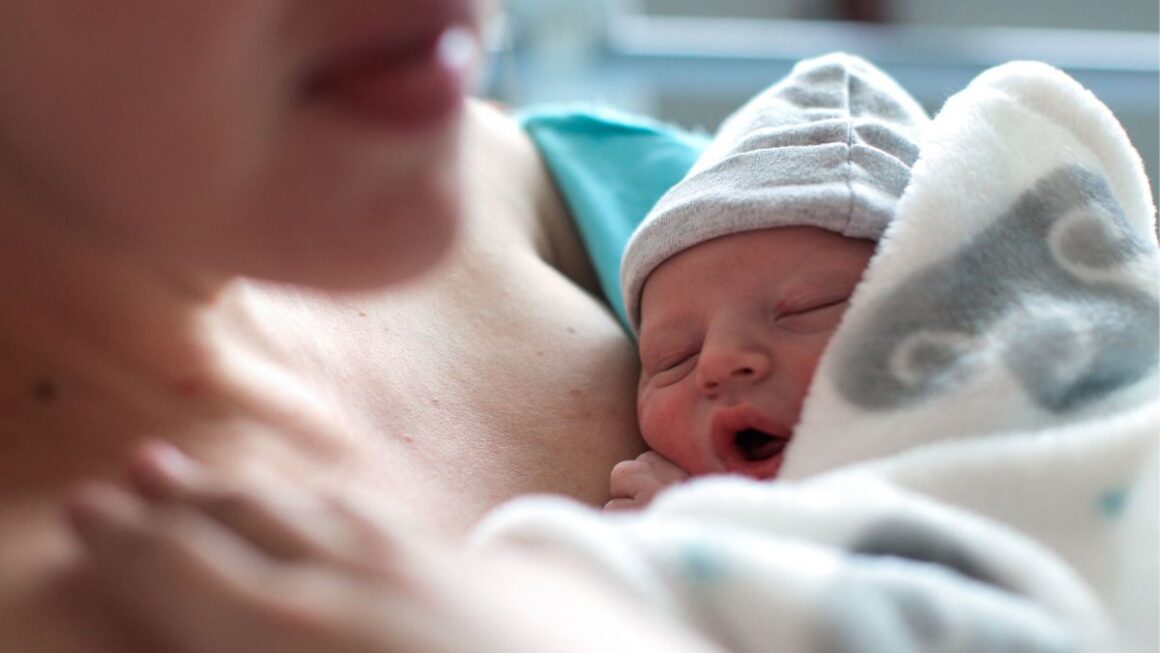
column 723, row 366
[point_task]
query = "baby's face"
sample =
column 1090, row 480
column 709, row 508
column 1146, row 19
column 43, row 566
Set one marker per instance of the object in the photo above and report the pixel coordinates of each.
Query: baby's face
column 731, row 333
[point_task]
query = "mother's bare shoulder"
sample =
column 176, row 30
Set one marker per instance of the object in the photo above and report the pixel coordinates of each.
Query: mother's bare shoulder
column 510, row 187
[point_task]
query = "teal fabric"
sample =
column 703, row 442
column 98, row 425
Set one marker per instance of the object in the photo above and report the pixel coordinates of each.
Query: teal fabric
column 611, row 167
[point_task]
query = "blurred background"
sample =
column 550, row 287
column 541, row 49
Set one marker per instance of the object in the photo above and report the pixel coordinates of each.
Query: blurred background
column 691, row 62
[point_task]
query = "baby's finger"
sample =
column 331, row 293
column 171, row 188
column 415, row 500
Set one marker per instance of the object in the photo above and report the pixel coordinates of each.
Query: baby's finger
column 623, row 503
column 630, row 477
column 665, row 471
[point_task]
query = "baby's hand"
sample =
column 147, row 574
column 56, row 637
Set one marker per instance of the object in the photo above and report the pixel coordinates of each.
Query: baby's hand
column 635, row 482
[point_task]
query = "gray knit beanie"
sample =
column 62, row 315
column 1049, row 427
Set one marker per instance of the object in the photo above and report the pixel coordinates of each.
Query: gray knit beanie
column 829, row 146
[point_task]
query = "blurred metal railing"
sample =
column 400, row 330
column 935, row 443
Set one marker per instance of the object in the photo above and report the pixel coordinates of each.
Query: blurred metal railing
column 596, row 50
column 586, row 55
column 717, row 54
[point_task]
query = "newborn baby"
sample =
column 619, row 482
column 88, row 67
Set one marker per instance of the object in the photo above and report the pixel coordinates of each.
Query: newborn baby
column 738, row 278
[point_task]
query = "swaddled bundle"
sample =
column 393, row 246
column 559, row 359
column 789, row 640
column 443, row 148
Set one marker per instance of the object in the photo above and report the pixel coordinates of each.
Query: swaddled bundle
column 976, row 466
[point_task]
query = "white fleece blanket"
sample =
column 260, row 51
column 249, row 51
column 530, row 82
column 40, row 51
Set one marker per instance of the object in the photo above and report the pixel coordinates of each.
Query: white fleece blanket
column 977, row 464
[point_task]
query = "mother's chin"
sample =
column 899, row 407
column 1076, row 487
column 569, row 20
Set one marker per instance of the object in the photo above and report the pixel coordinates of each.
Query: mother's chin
column 347, row 216
column 391, row 238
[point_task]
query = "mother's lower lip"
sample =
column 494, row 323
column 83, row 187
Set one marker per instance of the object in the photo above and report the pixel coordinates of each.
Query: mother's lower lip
column 418, row 87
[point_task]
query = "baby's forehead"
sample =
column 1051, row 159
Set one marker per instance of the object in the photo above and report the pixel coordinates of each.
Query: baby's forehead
column 790, row 260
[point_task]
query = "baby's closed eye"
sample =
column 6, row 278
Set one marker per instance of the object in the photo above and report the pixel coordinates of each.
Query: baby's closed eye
column 671, row 368
column 821, row 316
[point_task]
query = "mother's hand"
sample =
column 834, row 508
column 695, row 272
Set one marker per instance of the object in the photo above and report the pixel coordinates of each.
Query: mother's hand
column 211, row 566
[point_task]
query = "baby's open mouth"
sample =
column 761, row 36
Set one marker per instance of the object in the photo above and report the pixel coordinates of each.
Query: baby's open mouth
column 749, row 442
column 755, row 445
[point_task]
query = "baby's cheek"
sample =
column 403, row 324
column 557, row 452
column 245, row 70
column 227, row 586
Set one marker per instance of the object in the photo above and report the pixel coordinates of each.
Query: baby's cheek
column 808, row 369
column 667, row 422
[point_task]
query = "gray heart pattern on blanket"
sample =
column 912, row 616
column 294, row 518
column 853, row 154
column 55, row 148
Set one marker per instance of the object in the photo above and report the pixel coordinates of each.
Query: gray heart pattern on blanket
column 1047, row 289
column 872, row 610
column 877, row 605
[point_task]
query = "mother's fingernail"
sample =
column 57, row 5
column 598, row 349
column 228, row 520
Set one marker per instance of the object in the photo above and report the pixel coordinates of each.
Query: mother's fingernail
column 167, row 457
column 159, row 468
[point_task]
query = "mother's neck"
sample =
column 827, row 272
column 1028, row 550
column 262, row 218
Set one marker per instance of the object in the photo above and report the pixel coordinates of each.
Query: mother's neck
column 100, row 348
